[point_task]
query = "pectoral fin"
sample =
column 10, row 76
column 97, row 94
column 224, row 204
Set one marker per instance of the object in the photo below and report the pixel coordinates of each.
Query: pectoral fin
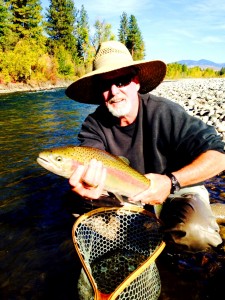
column 120, row 198
column 157, row 210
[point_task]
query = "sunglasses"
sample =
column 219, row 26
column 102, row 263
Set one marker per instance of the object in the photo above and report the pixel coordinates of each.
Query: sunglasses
column 120, row 82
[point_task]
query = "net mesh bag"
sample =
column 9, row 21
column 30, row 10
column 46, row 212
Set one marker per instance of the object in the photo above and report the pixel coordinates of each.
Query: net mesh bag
column 118, row 247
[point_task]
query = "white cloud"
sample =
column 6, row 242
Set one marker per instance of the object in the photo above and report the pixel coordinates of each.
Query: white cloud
column 212, row 39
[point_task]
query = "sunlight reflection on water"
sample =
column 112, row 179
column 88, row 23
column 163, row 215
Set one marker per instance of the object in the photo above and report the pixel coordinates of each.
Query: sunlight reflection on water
column 37, row 256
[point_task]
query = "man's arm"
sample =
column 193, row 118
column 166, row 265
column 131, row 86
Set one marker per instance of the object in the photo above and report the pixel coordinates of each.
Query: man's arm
column 89, row 181
column 205, row 166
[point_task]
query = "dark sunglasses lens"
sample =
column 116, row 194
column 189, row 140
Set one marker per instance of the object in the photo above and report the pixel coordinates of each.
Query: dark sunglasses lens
column 123, row 81
column 119, row 82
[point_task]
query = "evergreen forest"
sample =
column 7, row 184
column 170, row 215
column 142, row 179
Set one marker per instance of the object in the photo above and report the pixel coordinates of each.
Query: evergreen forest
column 59, row 43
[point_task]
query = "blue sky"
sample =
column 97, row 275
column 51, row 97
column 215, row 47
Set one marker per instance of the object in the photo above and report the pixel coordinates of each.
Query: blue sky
column 172, row 30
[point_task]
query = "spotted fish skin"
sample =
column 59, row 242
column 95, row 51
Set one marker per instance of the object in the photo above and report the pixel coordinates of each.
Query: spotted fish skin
column 121, row 179
column 218, row 210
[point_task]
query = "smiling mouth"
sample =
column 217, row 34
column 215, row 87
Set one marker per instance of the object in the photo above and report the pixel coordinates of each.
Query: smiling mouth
column 115, row 100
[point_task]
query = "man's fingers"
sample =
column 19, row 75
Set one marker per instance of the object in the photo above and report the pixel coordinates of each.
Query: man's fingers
column 88, row 181
column 77, row 175
column 93, row 173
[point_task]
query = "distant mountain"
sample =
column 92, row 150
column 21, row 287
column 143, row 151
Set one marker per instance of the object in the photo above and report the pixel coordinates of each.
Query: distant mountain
column 202, row 63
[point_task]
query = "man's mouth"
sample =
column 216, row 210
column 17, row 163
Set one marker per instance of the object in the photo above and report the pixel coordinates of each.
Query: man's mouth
column 115, row 100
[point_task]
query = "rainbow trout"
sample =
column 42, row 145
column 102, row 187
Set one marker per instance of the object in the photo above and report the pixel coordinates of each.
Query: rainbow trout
column 124, row 181
column 121, row 179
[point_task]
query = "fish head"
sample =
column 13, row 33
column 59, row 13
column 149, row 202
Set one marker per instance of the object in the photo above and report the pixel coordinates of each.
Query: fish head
column 192, row 224
column 57, row 163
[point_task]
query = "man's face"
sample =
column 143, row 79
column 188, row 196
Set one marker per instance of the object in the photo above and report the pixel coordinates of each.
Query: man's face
column 119, row 90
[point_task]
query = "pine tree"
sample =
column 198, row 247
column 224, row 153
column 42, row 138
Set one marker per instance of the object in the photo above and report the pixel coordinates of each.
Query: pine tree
column 4, row 24
column 222, row 71
column 60, row 24
column 124, row 29
column 26, row 19
column 82, row 32
column 134, row 41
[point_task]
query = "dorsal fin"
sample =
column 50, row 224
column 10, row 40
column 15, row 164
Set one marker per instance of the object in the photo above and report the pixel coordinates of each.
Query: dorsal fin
column 124, row 159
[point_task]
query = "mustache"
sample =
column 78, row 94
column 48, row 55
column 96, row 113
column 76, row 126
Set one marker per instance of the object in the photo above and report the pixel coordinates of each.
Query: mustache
column 115, row 99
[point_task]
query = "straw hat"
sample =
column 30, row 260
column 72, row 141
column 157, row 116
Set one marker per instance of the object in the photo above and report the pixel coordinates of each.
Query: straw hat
column 111, row 56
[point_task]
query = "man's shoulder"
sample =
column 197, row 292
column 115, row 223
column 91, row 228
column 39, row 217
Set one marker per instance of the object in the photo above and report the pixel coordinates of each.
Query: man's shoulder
column 153, row 100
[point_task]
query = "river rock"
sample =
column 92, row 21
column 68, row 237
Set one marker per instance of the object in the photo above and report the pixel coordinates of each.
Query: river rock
column 203, row 98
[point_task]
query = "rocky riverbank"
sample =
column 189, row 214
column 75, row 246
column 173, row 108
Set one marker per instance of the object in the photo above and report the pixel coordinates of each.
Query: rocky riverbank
column 203, row 98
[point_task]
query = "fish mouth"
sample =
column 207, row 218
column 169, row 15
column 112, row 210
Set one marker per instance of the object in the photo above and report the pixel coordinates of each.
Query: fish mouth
column 52, row 167
column 42, row 160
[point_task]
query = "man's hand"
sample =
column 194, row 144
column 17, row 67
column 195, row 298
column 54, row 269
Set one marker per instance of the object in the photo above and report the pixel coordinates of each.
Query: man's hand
column 88, row 181
column 157, row 192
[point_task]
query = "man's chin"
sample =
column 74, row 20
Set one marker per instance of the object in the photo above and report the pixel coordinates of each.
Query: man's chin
column 119, row 111
column 120, row 108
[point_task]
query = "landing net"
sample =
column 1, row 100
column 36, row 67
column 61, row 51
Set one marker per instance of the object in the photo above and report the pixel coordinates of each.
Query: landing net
column 118, row 248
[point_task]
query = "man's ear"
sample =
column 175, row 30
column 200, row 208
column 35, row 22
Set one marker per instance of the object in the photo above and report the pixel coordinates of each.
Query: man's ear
column 136, row 80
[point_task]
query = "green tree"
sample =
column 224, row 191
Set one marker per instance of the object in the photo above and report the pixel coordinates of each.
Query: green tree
column 4, row 24
column 184, row 70
column 103, row 32
column 135, row 42
column 26, row 19
column 60, row 24
column 64, row 59
column 124, row 29
column 82, row 33
column 221, row 72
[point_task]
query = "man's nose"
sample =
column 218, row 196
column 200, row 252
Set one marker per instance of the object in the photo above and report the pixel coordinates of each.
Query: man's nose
column 114, row 89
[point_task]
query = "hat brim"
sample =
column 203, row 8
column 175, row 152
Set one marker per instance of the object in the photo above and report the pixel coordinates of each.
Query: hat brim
column 85, row 89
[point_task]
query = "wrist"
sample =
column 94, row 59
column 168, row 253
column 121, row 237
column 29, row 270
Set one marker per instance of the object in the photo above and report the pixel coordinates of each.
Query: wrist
column 175, row 185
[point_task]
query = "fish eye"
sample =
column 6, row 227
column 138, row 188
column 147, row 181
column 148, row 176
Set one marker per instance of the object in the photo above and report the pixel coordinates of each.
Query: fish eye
column 59, row 158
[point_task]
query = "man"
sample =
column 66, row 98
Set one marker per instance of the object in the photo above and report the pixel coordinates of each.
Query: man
column 176, row 151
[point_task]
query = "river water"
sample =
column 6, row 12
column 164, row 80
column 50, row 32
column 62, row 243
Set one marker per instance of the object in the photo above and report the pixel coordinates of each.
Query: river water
column 37, row 256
